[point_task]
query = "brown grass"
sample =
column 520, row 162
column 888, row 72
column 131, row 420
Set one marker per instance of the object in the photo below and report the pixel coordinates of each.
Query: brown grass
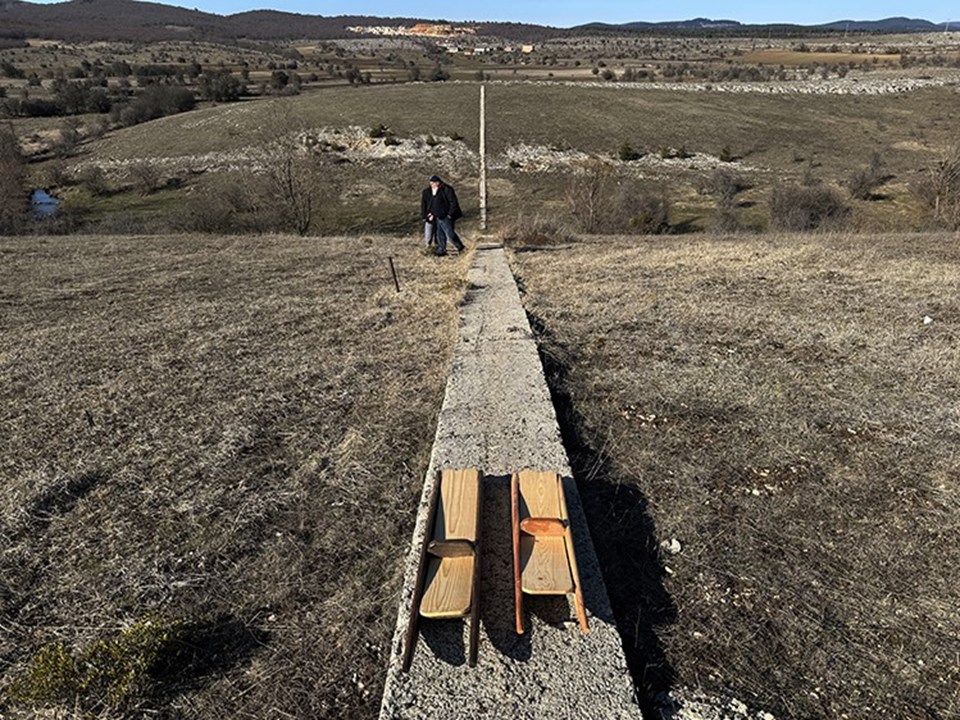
column 227, row 435
column 778, row 407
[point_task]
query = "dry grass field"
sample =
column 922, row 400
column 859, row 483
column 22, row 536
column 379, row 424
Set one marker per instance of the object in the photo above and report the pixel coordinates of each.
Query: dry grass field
column 213, row 449
column 771, row 426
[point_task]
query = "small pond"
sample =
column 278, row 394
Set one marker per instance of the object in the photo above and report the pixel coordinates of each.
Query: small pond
column 43, row 203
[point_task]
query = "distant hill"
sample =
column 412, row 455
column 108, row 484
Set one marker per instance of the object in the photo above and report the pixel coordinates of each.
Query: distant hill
column 707, row 26
column 80, row 20
column 132, row 20
column 894, row 24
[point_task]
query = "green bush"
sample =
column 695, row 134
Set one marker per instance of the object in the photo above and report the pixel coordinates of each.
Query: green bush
column 107, row 675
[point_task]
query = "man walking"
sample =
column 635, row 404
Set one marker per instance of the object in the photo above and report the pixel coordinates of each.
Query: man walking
column 440, row 209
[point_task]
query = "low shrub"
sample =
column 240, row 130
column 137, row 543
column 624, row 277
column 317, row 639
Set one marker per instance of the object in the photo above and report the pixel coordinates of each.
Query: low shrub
column 146, row 177
column 722, row 184
column 628, row 153
column 807, row 207
column 206, row 212
column 939, row 189
column 599, row 204
column 865, row 180
column 93, row 179
column 110, row 674
column 726, row 221
column 534, row 232
column 641, row 211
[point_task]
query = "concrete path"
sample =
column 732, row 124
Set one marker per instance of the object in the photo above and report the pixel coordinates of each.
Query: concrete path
column 497, row 416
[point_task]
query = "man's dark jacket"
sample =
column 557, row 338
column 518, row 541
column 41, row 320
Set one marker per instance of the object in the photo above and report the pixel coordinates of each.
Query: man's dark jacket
column 443, row 204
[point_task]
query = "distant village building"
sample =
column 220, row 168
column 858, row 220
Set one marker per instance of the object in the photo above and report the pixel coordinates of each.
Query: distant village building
column 418, row 30
column 527, row 49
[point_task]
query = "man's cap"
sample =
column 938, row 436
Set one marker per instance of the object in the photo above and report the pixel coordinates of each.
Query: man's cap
column 434, row 178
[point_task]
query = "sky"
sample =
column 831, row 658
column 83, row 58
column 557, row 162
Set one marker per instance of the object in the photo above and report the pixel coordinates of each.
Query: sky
column 566, row 13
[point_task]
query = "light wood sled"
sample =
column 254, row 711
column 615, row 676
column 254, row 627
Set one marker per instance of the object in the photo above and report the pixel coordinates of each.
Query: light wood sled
column 448, row 577
column 544, row 562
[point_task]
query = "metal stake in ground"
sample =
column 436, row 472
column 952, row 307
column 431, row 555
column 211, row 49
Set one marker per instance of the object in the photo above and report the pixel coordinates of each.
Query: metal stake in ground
column 393, row 271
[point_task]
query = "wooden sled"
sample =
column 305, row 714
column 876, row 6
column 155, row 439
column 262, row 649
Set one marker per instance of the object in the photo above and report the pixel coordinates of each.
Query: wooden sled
column 448, row 577
column 544, row 562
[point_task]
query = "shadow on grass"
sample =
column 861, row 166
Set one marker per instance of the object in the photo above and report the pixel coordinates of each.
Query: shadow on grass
column 201, row 651
column 625, row 540
column 59, row 500
column 686, row 227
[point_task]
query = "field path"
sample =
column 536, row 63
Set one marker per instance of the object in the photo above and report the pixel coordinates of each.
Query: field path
column 498, row 416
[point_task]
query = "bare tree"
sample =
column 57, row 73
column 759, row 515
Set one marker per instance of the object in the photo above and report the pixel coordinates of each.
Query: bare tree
column 13, row 181
column 589, row 195
column 146, row 177
column 945, row 181
column 292, row 170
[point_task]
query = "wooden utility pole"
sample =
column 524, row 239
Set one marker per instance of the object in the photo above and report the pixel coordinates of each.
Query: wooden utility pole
column 483, row 158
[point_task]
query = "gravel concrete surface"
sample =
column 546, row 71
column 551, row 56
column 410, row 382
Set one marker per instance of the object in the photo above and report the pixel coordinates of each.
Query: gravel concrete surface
column 497, row 416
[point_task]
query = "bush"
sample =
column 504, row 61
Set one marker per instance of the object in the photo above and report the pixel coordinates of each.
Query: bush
column 807, row 207
column 627, row 153
column 145, row 177
column 589, row 197
column 69, row 136
column 206, row 212
column 599, row 205
column 725, row 220
column 221, row 87
column 108, row 675
column 535, row 232
column 9, row 70
column 939, row 189
column 93, row 179
column 155, row 101
column 723, row 184
column 641, row 211
column 864, row 181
